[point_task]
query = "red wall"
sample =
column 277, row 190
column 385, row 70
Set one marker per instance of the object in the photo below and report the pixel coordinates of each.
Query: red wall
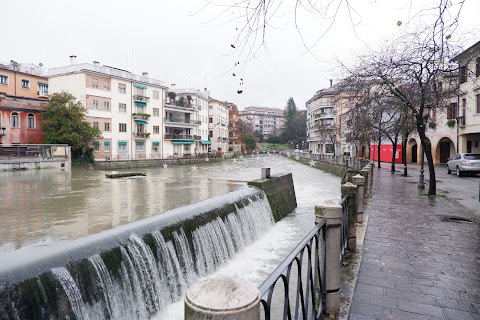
column 386, row 151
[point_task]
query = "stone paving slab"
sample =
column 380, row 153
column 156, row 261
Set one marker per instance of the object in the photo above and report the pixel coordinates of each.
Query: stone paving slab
column 416, row 264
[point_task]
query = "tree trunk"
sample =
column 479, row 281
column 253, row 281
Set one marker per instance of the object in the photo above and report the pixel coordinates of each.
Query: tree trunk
column 427, row 147
column 378, row 150
column 394, row 153
column 404, row 154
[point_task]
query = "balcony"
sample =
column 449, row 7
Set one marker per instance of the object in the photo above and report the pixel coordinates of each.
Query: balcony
column 141, row 135
column 182, row 120
column 172, row 136
column 140, row 98
column 324, row 115
column 197, row 138
column 141, row 116
column 42, row 94
column 175, row 105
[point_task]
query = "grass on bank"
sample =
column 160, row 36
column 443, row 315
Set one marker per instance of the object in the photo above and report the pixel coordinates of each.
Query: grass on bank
column 273, row 146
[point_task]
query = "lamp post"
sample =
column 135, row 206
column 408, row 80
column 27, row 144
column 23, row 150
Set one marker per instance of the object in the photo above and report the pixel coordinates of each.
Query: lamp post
column 421, row 179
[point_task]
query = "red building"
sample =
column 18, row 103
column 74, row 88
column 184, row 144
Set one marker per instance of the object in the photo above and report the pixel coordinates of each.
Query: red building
column 23, row 96
column 386, row 151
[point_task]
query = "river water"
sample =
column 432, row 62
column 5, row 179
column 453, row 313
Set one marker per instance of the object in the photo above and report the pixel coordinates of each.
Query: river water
column 40, row 208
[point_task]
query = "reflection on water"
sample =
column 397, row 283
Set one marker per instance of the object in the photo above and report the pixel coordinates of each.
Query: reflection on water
column 39, row 207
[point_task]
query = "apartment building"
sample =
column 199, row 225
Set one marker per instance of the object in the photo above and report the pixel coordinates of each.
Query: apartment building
column 468, row 116
column 186, row 122
column 266, row 120
column 126, row 107
column 234, row 128
column 23, row 96
column 218, row 122
column 321, row 133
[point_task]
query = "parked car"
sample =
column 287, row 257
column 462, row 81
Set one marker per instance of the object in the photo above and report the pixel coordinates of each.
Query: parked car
column 464, row 163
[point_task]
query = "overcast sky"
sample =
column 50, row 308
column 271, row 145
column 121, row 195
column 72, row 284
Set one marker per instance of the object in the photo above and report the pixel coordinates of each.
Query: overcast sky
column 177, row 42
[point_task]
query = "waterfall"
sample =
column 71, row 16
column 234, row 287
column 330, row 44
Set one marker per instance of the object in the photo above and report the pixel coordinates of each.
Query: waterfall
column 140, row 277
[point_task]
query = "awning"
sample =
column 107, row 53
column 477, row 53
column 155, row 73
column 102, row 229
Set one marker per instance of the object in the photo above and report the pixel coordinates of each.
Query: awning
column 107, row 142
column 205, row 141
column 183, row 142
column 122, row 142
column 155, row 143
column 42, row 83
column 96, row 143
column 141, row 122
column 140, row 143
column 140, row 86
column 140, row 103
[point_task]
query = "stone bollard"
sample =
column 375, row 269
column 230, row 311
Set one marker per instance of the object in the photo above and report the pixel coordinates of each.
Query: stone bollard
column 359, row 181
column 265, row 173
column 365, row 173
column 351, row 173
column 332, row 213
column 350, row 190
column 222, row 298
column 371, row 178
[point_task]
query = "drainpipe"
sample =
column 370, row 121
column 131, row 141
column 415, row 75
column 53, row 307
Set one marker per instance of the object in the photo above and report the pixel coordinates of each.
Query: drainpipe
column 458, row 112
column 131, row 118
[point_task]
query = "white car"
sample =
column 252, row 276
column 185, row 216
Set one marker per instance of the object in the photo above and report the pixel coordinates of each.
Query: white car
column 464, row 163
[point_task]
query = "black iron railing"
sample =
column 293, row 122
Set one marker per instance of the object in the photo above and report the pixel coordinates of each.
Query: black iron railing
column 344, row 238
column 307, row 293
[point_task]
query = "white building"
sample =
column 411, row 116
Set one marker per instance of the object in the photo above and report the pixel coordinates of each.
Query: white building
column 268, row 121
column 218, row 120
column 321, row 132
column 126, row 107
column 186, row 123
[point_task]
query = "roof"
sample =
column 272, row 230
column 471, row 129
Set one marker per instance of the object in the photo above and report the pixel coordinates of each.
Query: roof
column 468, row 53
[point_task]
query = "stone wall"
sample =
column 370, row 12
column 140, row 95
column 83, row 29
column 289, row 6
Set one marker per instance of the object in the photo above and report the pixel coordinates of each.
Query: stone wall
column 280, row 193
column 145, row 163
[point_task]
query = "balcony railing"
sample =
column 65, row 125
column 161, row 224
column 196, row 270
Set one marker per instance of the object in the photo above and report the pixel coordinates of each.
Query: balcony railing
column 141, row 135
column 140, row 98
column 169, row 136
column 140, row 116
column 182, row 120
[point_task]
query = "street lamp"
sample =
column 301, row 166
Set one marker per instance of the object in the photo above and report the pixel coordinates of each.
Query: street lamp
column 421, row 178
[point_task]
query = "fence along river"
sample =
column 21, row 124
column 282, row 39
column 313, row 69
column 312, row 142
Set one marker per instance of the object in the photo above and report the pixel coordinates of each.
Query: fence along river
column 146, row 283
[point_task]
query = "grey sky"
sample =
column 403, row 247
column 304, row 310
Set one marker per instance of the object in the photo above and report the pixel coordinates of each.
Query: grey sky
column 167, row 40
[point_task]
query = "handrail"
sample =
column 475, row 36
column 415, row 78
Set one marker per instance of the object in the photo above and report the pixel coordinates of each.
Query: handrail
column 309, row 300
column 344, row 237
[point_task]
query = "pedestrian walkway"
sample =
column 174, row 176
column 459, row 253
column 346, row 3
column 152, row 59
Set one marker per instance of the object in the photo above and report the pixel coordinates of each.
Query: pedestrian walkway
column 417, row 263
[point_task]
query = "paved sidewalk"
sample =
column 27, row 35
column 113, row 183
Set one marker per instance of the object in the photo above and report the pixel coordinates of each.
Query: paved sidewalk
column 416, row 263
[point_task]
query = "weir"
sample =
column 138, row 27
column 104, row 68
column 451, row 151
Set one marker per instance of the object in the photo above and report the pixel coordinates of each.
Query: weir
column 135, row 270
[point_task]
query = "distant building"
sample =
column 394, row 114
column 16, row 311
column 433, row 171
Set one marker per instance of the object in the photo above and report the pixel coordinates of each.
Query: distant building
column 321, row 131
column 186, row 122
column 234, row 128
column 268, row 121
column 23, row 96
column 218, row 121
column 127, row 108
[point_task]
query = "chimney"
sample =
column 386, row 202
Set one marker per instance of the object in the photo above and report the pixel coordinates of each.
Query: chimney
column 331, row 82
column 145, row 74
column 73, row 60
column 96, row 63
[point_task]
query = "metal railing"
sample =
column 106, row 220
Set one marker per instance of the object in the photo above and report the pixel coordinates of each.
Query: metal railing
column 309, row 296
column 182, row 120
column 344, row 238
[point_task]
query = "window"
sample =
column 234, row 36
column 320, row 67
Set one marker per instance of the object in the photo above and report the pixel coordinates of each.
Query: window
column 95, row 104
column 106, row 105
column 31, row 121
column 106, row 146
column 94, row 83
column 210, row 120
column 4, row 79
column 107, row 126
column 139, row 146
column 15, row 123
column 122, row 107
column 25, row 83
column 96, row 145
column 210, row 134
column 478, row 103
column 156, row 112
column 106, row 85
column 156, row 94
column 452, row 111
column 463, row 75
column 156, row 129
column 122, row 88
column 122, row 146
column 122, row 127
column 477, row 67
column 95, row 124
column 42, row 89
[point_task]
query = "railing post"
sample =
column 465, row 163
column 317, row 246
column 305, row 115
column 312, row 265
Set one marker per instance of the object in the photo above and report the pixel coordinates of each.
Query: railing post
column 222, row 298
column 332, row 213
column 365, row 172
column 350, row 190
column 359, row 181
